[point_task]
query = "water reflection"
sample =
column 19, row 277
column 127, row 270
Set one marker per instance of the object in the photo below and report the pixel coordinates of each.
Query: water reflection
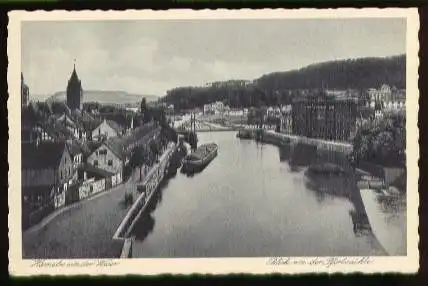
column 146, row 223
column 248, row 197
column 328, row 186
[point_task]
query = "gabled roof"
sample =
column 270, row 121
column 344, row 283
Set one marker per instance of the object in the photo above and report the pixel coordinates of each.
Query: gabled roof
column 139, row 133
column 84, row 147
column 115, row 126
column 74, row 148
column 42, row 156
column 120, row 118
column 116, row 145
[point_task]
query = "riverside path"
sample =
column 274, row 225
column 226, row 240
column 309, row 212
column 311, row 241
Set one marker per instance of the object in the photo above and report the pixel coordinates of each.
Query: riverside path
column 82, row 230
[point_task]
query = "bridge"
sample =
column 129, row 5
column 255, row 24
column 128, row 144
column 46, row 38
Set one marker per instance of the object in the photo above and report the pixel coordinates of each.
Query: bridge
column 200, row 125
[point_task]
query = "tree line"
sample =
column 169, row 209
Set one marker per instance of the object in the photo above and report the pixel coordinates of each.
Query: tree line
column 382, row 141
column 281, row 87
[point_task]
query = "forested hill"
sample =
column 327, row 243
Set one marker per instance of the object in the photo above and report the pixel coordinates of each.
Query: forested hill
column 361, row 73
column 282, row 87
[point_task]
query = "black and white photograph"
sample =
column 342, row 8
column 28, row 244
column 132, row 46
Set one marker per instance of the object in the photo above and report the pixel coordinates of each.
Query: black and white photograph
column 283, row 138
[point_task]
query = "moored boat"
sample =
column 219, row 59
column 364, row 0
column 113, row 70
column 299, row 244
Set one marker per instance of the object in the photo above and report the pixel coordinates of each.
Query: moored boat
column 245, row 134
column 200, row 158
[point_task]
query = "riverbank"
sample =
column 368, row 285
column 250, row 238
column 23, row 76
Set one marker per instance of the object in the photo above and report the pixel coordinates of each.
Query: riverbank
column 148, row 187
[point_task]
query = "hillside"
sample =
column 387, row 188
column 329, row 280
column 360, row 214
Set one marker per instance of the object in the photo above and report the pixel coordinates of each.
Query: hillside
column 282, row 87
column 361, row 73
column 106, row 97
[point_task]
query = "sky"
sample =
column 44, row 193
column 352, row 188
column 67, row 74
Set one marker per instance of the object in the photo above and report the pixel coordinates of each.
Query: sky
column 152, row 56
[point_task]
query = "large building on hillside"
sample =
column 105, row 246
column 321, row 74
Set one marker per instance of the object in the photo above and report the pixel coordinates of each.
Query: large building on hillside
column 74, row 91
column 324, row 117
column 387, row 97
column 25, row 92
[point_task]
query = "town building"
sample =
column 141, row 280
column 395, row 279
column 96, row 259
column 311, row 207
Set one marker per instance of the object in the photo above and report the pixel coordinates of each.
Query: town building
column 286, row 120
column 324, row 117
column 25, row 93
column 74, row 91
column 46, row 172
column 388, row 98
column 114, row 153
column 75, row 127
column 49, row 130
column 107, row 129
column 383, row 94
column 76, row 153
column 110, row 157
column 215, row 108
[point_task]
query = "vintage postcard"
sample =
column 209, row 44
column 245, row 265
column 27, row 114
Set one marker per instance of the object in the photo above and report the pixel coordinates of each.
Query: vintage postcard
column 244, row 141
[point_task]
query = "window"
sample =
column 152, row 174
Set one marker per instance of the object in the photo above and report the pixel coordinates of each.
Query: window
column 96, row 163
column 110, row 162
column 61, row 174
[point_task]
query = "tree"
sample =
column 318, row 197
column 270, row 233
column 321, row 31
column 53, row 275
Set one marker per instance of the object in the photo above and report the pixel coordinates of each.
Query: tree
column 143, row 105
column 280, row 87
column 137, row 159
column 382, row 142
column 154, row 149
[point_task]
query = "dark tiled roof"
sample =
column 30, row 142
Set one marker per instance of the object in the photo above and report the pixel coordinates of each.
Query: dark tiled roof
column 119, row 118
column 115, row 126
column 139, row 133
column 43, row 155
column 116, row 145
column 96, row 171
column 84, row 146
column 74, row 148
column 121, row 146
column 93, row 145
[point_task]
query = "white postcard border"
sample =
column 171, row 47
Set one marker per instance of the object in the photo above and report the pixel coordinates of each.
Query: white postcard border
column 20, row 267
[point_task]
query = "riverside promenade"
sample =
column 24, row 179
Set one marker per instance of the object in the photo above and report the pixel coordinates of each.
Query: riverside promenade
column 82, row 230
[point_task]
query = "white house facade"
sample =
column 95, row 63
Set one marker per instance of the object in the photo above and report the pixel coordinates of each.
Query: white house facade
column 106, row 159
column 106, row 130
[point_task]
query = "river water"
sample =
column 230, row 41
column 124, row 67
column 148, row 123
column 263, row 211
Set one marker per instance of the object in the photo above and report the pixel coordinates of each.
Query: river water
column 251, row 202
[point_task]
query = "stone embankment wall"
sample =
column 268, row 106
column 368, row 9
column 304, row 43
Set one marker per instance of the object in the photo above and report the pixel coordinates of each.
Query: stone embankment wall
column 149, row 187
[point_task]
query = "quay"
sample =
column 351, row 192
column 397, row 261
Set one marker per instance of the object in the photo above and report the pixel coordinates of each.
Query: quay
column 150, row 185
column 272, row 137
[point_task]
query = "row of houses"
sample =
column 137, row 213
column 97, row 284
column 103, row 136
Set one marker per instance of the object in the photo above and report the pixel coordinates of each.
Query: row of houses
column 65, row 159
column 334, row 115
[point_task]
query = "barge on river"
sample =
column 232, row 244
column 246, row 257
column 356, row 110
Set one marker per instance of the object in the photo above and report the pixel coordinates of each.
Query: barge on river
column 200, row 158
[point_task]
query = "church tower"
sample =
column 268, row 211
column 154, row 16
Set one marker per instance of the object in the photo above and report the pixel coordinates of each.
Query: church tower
column 74, row 91
column 25, row 93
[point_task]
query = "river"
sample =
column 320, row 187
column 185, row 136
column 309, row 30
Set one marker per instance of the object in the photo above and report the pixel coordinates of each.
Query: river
column 251, row 202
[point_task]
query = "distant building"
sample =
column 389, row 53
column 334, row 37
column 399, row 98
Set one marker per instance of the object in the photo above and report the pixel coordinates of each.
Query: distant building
column 387, row 97
column 286, row 120
column 75, row 127
column 383, row 94
column 74, row 91
column 25, row 92
column 323, row 117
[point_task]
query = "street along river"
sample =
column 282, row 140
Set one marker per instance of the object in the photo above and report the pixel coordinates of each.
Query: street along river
column 251, row 202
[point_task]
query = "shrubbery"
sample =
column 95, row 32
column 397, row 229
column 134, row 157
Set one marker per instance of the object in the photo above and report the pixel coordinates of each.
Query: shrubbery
column 382, row 141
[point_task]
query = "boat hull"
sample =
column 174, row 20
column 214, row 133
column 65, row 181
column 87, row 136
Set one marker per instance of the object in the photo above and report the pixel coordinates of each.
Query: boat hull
column 194, row 166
